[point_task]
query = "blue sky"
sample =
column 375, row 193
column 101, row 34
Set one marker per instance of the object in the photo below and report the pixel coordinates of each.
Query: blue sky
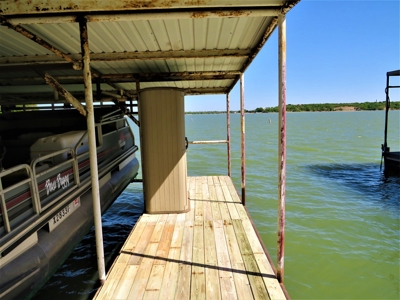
column 337, row 52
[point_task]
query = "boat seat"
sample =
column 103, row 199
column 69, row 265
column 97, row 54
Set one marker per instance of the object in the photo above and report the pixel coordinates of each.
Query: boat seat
column 20, row 148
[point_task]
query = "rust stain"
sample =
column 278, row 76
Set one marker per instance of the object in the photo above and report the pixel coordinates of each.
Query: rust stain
column 229, row 14
column 232, row 13
column 199, row 15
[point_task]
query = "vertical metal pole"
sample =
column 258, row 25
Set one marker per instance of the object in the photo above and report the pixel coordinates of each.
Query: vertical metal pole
column 282, row 146
column 243, row 142
column 228, row 132
column 87, row 77
column 386, row 114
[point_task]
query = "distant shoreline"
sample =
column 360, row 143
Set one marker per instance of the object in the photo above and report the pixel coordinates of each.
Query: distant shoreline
column 325, row 107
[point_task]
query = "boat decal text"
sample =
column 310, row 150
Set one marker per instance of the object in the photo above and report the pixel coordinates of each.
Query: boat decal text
column 59, row 182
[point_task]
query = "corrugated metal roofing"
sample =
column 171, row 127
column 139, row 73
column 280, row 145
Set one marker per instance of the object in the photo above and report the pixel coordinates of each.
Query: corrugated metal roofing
column 199, row 46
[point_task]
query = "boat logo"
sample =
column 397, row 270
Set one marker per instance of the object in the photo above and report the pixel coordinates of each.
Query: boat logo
column 57, row 183
column 122, row 141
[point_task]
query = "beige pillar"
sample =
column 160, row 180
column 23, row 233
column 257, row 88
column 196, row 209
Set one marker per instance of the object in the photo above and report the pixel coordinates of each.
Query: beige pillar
column 162, row 133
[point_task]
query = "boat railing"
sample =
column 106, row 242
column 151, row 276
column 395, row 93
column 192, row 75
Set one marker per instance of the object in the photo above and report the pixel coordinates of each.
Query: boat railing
column 6, row 207
column 52, row 183
column 32, row 191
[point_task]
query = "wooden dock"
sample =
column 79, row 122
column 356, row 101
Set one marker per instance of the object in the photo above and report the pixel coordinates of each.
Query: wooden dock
column 210, row 252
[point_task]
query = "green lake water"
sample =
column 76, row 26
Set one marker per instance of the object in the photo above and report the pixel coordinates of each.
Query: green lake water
column 342, row 214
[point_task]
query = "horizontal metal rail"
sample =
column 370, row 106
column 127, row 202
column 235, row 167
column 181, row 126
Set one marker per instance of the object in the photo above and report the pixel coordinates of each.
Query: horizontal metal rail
column 208, row 142
column 16, row 234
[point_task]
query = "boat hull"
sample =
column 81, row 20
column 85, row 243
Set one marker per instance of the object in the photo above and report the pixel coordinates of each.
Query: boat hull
column 392, row 163
column 25, row 274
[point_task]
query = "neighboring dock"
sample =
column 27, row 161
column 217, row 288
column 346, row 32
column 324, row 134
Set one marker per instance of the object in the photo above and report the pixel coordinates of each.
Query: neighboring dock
column 210, row 252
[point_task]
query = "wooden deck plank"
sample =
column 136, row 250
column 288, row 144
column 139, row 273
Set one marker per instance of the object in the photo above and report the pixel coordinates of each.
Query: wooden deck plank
column 216, row 213
column 198, row 277
column 213, row 289
column 199, row 210
column 223, row 208
column 207, row 210
column 192, row 187
column 136, row 258
column 256, row 282
column 185, row 268
column 190, row 214
column 170, row 279
column 124, row 284
column 139, row 284
column 157, row 232
column 154, row 283
column 222, row 181
column 251, row 235
column 209, row 252
column 198, row 188
column 134, row 236
column 229, row 199
column 274, row 289
column 108, row 290
column 228, row 290
column 163, row 247
column 232, row 190
column 239, row 274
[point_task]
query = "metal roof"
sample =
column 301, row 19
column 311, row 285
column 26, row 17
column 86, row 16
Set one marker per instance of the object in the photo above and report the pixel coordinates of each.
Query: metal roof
column 199, row 46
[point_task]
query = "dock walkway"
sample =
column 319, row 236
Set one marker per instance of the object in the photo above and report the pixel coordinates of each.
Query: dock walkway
column 210, row 252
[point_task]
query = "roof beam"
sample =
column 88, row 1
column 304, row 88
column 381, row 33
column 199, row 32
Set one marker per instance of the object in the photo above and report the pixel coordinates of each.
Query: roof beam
column 205, row 91
column 111, row 79
column 172, row 76
column 111, row 12
column 139, row 16
column 127, row 56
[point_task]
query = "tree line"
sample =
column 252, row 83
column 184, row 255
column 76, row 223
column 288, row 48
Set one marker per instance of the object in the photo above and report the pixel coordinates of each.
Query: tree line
column 331, row 107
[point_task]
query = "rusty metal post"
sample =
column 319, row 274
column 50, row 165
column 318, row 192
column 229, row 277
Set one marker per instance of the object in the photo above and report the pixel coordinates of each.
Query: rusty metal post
column 228, row 132
column 243, row 139
column 282, row 146
column 94, row 173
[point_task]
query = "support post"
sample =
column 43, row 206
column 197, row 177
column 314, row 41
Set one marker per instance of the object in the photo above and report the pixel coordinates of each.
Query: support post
column 243, row 139
column 92, row 148
column 282, row 146
column 384, row 146
column 228, row 132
